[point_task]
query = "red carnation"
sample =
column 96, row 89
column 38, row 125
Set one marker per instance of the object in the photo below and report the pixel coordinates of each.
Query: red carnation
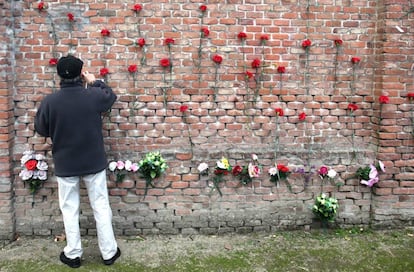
column 132, row 68
column 165, row 62
column 282, row 168
column 355, row 60
column 169, row 41
column 217, row 59
column 141, row 42
column 352, row 107
column 338, row 42
column 183, row 108
column 383, row 99
column 249, row 74
column 203, row 8
column 31, row 165
column 256, row 63
column 53, row 61
column 279, row 112
column 302, row 116
column 205, row 32
column 410, row 96
column 137, row 8
column 281, row 69
column 242, row 36
column 237, row 170
column 104, row 71
column 41, row 6
column 306, row 43
column 71, row 17
column 264, row 37
column 105, row 32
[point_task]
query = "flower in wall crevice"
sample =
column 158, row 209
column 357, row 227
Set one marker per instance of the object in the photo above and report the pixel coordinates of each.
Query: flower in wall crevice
column 242, row 37
column 248, row 172
column 281, row 70
column 133, row 69
column 217, row 59
column 306, row 45
column 184, row 109
column 326, row 174
column 141, row 43
column 338, row 46
column 279, row 113
column 351, row 109
column 151, row 166
column 34, row 171
column 204, row 33
column 121, row 168
column 258, row 78
column 137, row 9
column 166, row 64
column 104, row 72
column 410, row 97
column 278, row 173
column 223, row 168
column 355, row 63
column 369, row 175
column 71, row 22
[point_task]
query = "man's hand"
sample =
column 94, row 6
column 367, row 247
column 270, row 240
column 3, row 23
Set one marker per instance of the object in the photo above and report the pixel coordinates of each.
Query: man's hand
column 89, row 78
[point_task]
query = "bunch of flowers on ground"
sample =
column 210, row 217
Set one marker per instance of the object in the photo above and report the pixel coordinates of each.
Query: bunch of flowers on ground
column 369, row 175
column 223, row 168
column 34, row 170
column 151, row 167
column 325, row 208
column 247, row 173
column 121, row 168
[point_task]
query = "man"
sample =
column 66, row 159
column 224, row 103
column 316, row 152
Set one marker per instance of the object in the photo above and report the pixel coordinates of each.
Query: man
column 72, row 119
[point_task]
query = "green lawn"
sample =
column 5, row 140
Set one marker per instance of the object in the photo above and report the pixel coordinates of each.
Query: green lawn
column 331, row 250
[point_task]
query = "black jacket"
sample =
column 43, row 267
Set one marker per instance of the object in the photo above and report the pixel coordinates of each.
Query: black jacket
column 72, row 118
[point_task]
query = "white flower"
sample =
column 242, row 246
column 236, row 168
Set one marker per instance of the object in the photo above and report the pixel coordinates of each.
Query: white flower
column 273, row 171
column 39, row 157
column 221, row 165
column 254, row 170
column 202, row 167
column 134, row 167
column 128, row 165
column 41, row 175
column 27, row 155
column 42, row 165
column 26, row 174
column 112, row 166
column 254, row 157
column 381, row 166
column 331, row 174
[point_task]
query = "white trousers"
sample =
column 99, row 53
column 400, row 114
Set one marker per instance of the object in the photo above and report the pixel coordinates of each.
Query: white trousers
column 69, row 202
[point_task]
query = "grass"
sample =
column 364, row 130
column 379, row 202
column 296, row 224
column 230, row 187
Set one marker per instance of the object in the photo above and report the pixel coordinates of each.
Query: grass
column 331, row 250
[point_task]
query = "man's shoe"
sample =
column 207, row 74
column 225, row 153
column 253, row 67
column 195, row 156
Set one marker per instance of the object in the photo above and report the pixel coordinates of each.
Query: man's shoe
column 113, row 259
column 74, row 263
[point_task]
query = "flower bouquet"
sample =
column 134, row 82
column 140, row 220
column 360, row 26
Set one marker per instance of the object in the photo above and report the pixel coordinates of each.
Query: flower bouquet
column 121, row 168
column 34, row 170
column 247, row 173
column 151, row 167
column 222, row 169
column 325, row 208
column 369, row 175
column 279, row 172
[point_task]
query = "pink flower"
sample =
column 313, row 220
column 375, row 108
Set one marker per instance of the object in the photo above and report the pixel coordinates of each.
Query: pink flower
column 306, row 43
column 383, row 99
column 281, row 69
column 183, row 108
column 105, row 32
column 104, row 71
column 141, row 42
column 217, row 59
column 373, row 177
column 242, row 36
column 132, row 68
column 302, row 116
column 137, row 8
column 120, row 165
column 355, row 60
column 254, row 170
column 53, row 61
column 71, row 18
column 323, row 171
column 279, row 112
column 256, row 64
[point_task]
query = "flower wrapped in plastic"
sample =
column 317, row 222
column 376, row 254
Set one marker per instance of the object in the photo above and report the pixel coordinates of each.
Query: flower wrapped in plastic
column 34, row 170
column 121, row 168
column 151, row 166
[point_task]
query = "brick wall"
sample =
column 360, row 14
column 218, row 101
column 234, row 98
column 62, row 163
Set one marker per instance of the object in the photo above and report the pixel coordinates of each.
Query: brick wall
column 227, row 116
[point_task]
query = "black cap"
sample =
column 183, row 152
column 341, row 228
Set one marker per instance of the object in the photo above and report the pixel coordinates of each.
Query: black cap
column 69, row 67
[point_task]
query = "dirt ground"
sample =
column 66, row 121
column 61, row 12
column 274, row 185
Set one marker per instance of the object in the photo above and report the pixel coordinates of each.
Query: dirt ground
column 149, row 250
